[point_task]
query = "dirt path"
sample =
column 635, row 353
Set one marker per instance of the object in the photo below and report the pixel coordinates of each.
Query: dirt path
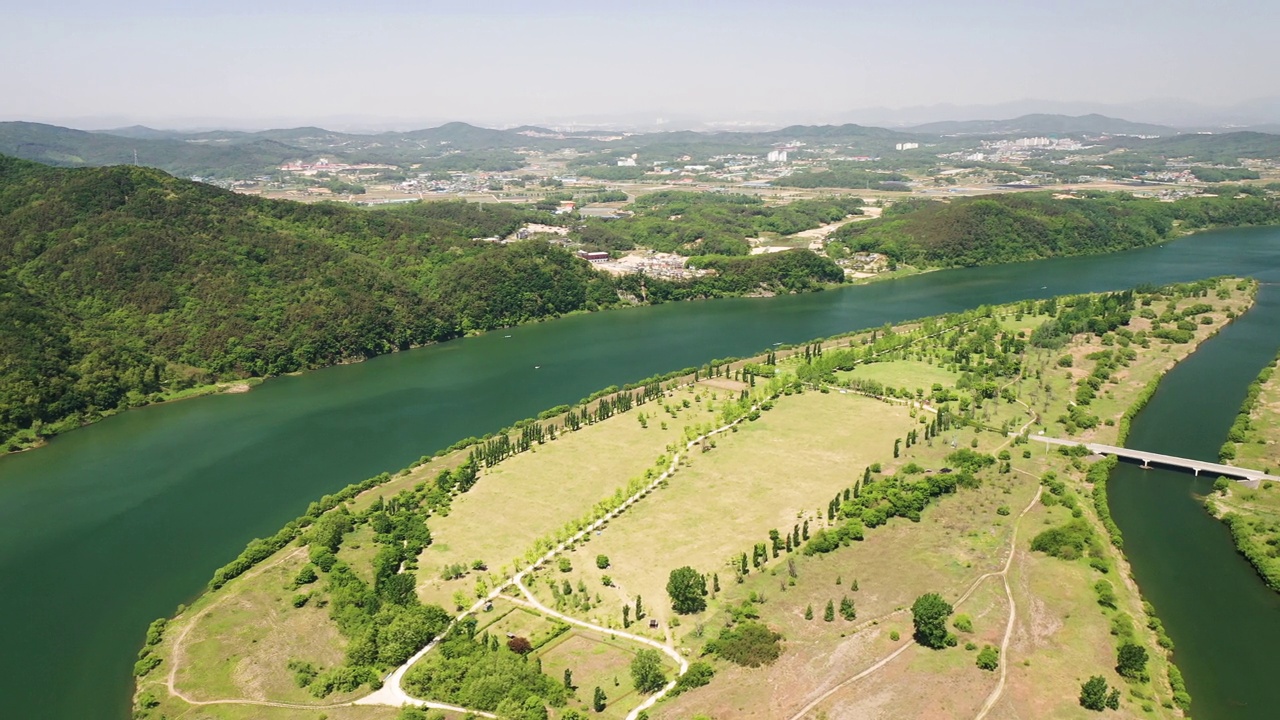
column 391, row 692
column 1013, row 609
column 175, row 658
column 973, row 587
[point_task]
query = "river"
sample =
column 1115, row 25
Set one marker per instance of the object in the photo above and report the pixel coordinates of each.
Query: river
column 116, row 524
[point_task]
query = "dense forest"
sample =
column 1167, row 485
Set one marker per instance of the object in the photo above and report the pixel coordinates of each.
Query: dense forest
column 120, row 286
column 1009, row 228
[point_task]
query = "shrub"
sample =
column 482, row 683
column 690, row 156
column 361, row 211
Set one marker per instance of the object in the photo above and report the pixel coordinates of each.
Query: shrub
column 1065, row 541
column 988, row 658
column 963, row 623
column 602, row 561
column 1093, row 693
column 751, row 644
column 698, row 674
column 1131, row 661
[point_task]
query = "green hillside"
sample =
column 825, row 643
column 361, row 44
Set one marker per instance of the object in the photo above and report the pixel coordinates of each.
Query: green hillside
column 122, row 285
column 1009, row 228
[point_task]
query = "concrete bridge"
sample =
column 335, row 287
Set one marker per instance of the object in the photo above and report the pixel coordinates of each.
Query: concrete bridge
column 1149, row 458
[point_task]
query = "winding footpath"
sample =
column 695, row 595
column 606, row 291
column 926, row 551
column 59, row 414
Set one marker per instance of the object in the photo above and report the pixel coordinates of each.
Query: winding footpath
column 393, row 694
column 1004, row 645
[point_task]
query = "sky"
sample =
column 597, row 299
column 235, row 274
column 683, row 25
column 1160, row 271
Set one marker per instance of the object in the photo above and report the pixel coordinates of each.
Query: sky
column 272, row 62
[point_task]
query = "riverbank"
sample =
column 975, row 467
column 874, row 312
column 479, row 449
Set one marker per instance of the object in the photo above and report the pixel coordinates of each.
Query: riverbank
column 552, row 468
column 1251, row 510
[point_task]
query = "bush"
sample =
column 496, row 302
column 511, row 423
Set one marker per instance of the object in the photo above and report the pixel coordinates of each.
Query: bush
column 1106, row 593
column 602, row 561
column 1065, row 541
column 751, row 644
column 698, row 674
column 988, row 658
column 963, row 623
column 305, row 576
column 1131, row 661
column 1093, row 693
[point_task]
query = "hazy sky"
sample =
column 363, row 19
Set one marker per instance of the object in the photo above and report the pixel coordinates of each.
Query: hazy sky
column 510, row 62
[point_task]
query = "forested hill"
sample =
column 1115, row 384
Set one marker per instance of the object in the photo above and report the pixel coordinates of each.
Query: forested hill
column 121, row 285
column 995, row 229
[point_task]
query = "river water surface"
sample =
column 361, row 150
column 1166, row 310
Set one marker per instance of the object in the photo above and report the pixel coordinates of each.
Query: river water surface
column 116, row 524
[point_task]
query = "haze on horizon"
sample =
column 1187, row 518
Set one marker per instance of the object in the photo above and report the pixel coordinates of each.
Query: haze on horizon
column 503, row 62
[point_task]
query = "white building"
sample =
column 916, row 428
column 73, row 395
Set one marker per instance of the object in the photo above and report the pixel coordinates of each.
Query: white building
column 906, row 146
column 777, row 156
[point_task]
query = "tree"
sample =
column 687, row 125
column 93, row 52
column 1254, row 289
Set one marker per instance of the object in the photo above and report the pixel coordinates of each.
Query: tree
column 1131, row 660
column 646, row 671
column 929, row 615
column 687, row 589
column 1113, row 699
column 1093, row 693
column 639, row 609
column 897, row 446
column 988, row 658
column 598, row 700
column 829, row 613
column 602, row 561
column 847, row 610
column 568, row 679
column 808, row 612
column 519, row 645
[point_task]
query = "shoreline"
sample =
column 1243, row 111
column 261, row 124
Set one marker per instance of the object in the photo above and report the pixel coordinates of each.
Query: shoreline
column 218, row 388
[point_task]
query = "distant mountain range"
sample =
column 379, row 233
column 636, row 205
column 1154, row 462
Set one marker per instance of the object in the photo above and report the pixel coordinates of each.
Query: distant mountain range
column 1042, row 124
column 1177, row 113
column 461, row 146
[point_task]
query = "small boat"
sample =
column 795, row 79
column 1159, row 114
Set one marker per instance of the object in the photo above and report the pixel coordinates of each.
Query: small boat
column 537, row 367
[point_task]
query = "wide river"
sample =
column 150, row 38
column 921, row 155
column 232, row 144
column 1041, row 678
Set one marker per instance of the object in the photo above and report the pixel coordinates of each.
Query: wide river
column 114, row 525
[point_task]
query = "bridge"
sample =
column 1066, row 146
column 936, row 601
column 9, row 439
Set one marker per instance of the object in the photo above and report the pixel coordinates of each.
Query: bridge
column 1149, row 458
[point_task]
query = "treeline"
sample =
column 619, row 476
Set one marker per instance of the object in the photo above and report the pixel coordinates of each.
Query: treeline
column 121, row 286
column 1026, row 226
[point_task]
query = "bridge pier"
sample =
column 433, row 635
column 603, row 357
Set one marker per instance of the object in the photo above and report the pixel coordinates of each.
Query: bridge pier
column 1146, row 465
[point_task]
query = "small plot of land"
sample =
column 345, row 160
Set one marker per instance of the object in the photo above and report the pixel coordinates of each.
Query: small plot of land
column 509, row 619
column 909, row 374
column 770, row 474
column 595, row 662
column 240, row 647
column 534, row 494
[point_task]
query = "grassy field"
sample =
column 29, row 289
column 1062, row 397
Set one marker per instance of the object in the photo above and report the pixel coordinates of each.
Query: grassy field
column 534, row 494
column 957, row 540
column 237, row 644
column 773, row 473
column 596, row 661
